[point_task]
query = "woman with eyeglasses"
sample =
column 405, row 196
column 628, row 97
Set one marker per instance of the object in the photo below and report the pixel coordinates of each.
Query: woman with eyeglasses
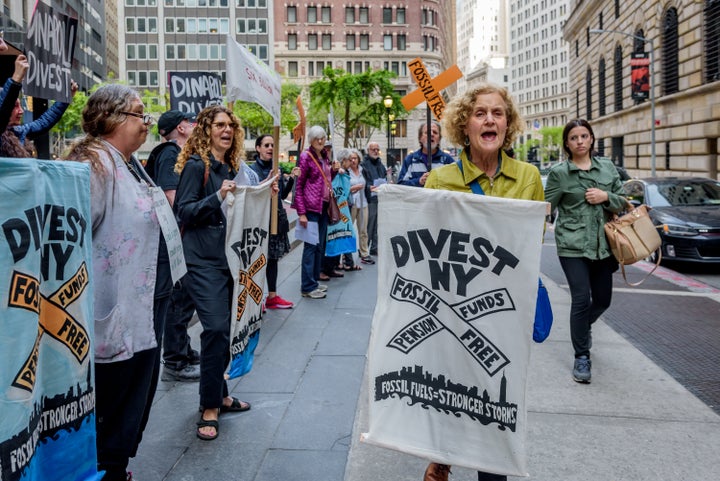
column 131, row 273
column 208, row 164
column 279, row 244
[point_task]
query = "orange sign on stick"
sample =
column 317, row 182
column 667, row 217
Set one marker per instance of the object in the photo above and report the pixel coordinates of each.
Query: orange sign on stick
column 429, row 88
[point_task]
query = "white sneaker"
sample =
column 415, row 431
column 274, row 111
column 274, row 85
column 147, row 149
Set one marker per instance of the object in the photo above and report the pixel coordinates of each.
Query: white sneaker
column 316, row 294
column 322, row 287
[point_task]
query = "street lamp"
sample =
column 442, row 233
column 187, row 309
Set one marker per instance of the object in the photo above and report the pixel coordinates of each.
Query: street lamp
column 652, row 88
column 388, row 103
column 391, row 117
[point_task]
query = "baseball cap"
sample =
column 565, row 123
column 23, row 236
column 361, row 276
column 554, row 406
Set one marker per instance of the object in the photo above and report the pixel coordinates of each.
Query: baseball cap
column 171, row 119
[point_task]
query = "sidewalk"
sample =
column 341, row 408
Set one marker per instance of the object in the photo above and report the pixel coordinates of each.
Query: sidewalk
column 309, row 397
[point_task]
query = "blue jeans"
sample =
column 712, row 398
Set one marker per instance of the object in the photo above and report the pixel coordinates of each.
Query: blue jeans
column 312, row 255
column 590, row 283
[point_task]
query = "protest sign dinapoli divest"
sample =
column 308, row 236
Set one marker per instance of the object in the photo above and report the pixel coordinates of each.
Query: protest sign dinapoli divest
column 193, row 91
column 49, row 46
column 47, row 398
column 452, row 327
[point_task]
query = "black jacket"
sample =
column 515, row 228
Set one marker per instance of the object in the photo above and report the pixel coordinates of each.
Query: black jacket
column 262, row 169
column 198, row 208
column 372, row 169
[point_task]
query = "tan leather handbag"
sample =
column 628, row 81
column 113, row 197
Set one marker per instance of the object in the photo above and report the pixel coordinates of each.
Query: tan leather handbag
column 633, row 237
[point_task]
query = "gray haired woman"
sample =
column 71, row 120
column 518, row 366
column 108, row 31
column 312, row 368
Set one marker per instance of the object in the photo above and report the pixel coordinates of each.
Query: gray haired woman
column 312, row 195
column 131, row 273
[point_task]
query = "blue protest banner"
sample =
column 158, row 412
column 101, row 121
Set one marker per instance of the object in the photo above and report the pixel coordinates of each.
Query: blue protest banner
column 47, row 398
column 341, row 238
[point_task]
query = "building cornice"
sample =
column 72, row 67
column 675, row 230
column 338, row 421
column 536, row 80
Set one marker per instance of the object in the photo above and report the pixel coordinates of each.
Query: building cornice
column 581, row 16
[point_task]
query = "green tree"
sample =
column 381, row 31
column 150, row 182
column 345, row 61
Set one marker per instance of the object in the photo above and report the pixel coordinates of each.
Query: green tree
column 551, row 143
column 356, row 101
column 70, row 125
column 258, row 121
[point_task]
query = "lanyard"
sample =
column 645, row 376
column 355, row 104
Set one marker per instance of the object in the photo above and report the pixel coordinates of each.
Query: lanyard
column 474, row 185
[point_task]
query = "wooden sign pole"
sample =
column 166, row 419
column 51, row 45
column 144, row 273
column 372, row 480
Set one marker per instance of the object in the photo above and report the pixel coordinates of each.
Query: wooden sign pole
column 275, row 171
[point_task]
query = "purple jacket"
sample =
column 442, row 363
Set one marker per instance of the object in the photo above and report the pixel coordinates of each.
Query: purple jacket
column 310, row 188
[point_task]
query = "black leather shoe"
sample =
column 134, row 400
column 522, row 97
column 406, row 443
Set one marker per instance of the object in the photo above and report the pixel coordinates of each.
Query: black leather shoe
column 190, row 373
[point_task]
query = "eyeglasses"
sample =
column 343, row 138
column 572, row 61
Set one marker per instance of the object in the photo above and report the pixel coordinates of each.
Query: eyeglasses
column 374, row 148
column 268, row 145
column 146, row 118
column 224, row 125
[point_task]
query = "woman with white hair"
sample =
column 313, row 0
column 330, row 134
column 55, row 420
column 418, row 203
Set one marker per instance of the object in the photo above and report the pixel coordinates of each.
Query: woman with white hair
column 312, row 195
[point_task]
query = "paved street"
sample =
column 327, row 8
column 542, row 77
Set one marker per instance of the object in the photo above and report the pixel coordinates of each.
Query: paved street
column 635, row 422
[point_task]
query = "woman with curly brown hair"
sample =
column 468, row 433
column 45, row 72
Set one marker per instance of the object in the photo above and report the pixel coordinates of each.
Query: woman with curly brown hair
column 485, row 121
column 131, row 273
column 208, row 164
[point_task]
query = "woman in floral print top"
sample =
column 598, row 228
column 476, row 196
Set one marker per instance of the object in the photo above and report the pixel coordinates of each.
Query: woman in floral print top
column 131, row 278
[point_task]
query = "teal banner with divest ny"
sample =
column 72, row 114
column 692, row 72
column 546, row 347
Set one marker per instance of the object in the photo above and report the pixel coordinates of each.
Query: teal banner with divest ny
column 47, row 399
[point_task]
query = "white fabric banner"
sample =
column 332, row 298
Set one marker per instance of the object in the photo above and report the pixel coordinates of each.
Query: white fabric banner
column 452, row 326
column 246, row 246
column 249, row 79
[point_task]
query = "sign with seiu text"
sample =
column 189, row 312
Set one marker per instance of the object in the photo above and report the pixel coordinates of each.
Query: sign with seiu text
column 250, row 80
column 49, row 47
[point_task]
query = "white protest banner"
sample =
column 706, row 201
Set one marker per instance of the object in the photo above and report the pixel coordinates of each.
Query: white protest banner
column 47, row 394
column 249, row 79
column 193, row 91
column 170, row 232
column 246, row 245
column 49, row 47
column 452, row 327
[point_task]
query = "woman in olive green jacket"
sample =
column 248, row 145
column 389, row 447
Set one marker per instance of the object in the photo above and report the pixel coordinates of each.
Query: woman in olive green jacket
column 586, row 191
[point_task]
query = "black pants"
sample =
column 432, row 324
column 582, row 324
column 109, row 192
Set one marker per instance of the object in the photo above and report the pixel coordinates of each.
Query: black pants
column 329, row 264
column 590, row 283
column 211, row 289
column 271, row 274
column 348, row 261
column 177, row 352
column 124, row 392
column 491, row 477
column 372, row 227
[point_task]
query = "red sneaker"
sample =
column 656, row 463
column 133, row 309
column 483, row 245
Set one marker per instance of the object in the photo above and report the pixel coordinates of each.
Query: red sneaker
column 278, row 302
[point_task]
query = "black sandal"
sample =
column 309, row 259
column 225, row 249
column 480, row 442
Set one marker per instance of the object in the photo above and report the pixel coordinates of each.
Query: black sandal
column 207, row 423
column 237, row 406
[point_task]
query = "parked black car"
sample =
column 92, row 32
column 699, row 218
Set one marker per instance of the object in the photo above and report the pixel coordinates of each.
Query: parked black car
column 688, row 211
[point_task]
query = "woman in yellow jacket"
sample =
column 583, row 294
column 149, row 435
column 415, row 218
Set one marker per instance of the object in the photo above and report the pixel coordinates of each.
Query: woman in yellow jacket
column 486, row 122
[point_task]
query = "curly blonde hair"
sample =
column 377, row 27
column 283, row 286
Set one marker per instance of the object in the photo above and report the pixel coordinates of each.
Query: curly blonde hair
column 458, row 111
column 200, row 141
column 101, row 116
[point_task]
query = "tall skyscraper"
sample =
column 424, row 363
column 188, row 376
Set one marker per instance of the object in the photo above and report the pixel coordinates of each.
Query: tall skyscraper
column 483, row 42
column 539, row 62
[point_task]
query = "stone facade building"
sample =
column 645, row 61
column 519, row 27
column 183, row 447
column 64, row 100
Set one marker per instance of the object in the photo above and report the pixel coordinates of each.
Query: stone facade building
column 683, row 37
